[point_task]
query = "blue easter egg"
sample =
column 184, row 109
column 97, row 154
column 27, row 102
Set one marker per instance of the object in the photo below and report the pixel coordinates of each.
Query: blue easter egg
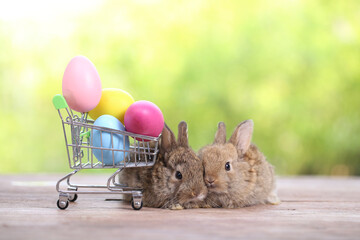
column 103, row 139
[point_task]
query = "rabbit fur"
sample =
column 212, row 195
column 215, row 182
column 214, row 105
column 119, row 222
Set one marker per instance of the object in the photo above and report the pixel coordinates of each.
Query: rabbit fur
column 161, row 185
column 236, row 172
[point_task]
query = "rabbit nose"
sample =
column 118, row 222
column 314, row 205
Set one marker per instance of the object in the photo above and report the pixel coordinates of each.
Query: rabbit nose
column 210, row 181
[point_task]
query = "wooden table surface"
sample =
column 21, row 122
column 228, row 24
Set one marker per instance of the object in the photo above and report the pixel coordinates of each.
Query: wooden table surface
column 311, row 208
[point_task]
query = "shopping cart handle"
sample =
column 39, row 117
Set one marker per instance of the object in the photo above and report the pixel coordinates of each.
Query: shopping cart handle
column 59, row 102
column 85, row 134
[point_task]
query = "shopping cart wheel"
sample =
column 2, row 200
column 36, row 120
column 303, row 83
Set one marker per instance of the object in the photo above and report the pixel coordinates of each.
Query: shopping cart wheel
column 62, row 204
column 73, row 197
column 136, row 205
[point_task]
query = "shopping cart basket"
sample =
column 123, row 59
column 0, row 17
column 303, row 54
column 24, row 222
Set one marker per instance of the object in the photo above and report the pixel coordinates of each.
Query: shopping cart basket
column 78, row 133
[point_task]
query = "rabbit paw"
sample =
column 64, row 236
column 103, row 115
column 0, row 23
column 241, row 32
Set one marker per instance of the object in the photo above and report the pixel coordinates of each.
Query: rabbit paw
column 273, row 199
column 176, row 207
column 191, row 205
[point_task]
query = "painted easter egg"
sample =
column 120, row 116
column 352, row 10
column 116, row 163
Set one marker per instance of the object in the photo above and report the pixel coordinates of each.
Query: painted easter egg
column 145, row 118
column 117, row 142
column 81, row 85
column 113, row 102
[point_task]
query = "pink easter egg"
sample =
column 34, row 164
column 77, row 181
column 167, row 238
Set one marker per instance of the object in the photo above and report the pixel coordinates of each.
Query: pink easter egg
column 145, row 118
column 81, row 85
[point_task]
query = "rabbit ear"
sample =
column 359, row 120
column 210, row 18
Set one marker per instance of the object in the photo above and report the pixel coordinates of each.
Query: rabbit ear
column 183, row 134
column 241, row 138
column 220, row 136
column 167, row 139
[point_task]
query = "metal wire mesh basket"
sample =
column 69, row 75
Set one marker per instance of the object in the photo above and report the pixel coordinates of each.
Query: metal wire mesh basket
column 87, row 149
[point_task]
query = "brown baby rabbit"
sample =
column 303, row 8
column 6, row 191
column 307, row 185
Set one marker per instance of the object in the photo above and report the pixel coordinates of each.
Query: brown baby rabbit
column 176, row 180
column 236, row 172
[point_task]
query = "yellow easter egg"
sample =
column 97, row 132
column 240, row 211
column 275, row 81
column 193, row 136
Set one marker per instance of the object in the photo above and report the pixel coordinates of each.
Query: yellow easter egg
column 113, row 102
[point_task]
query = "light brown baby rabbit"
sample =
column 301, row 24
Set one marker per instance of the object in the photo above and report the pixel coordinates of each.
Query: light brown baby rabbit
column 176, row 180
column 236, row 172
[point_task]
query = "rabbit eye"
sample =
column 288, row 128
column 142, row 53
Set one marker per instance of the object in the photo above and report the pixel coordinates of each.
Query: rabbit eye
column 227, row 166
column 178, row 175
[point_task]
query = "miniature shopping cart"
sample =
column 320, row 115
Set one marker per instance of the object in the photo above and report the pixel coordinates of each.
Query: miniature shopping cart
column 78, row 133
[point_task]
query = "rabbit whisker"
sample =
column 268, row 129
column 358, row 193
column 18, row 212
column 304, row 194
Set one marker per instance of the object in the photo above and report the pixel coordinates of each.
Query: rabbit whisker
column 213, row 203
column 170, row 202
column 167, row 204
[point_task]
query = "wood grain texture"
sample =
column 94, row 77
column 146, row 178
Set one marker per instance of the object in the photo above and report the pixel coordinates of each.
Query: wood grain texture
column 312, row 208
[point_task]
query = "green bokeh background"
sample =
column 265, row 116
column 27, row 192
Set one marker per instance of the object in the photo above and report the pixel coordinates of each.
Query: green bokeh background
column 292, row 66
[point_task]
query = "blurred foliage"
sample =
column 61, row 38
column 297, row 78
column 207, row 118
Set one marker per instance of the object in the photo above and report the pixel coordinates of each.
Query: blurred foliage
column 292, row 66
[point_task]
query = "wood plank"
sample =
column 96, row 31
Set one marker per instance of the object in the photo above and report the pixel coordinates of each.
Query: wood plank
column 312, row 208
